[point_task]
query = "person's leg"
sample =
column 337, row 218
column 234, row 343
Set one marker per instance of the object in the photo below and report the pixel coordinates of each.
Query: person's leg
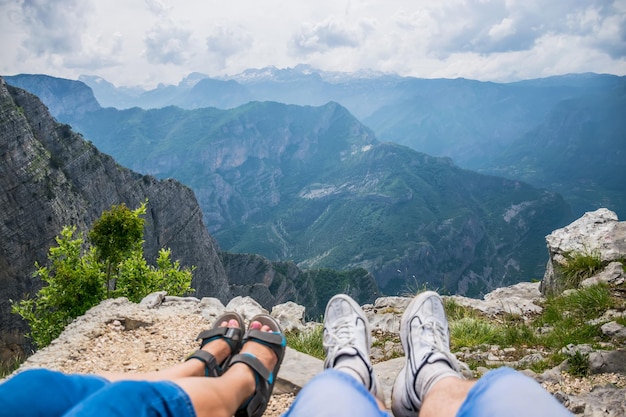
column 56, row 393
column 335, row 393
column 446, row 397
column 348, row 385
column 45, row 393
column 425, row 338
column 506, row 392
column 347, row 342
column 431, row 385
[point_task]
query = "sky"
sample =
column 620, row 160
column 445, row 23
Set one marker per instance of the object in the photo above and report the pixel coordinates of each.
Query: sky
column 147, row 42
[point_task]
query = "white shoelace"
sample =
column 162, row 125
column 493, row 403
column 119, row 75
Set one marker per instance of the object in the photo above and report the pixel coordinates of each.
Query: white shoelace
column 340, row 335
column 436, row 342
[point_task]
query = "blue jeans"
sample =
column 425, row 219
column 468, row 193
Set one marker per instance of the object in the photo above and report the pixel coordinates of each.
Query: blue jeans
column 40, row 392
column 502, row 392
column 45, row 393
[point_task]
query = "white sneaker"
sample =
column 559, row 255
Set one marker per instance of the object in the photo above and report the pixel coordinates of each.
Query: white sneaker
column 347, row 341
column 425, row 338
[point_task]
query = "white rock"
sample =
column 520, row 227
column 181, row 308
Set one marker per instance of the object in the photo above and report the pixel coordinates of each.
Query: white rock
column 290, row 315
column 246, row 306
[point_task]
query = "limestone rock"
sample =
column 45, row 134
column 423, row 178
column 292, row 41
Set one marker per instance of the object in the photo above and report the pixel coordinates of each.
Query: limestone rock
column 211, row 308
column 614, row 329
column 595, row 232
column 517, row 299
column 290, row 315
column 613, row 274
column 607, row 361
column 604, row 401
column 153, row 300
column 246, row 306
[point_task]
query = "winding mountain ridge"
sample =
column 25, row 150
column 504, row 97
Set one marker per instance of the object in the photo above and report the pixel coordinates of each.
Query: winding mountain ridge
column 314, row 186
column 480, row 125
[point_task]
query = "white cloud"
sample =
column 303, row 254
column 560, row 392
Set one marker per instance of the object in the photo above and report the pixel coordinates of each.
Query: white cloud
column 330, row 34
column 167, row 44
column 224, row 42
column 151, row 41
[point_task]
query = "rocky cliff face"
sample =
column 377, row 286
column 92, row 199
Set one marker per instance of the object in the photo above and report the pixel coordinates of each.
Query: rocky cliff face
column 51, row 177
column 271, row 283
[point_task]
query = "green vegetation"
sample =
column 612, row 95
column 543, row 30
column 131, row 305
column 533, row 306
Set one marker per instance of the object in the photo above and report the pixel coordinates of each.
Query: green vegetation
column 307, row 341
column 579, row 364
column 565, row 319
column 7, row 367
column 116, row 235
column 578, row 267
column 79, row 276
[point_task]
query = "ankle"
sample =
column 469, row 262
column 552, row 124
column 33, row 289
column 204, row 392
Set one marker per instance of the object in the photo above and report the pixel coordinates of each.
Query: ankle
column 432, row 374
column 218, row 348
column 355, row 367
column 246, row 378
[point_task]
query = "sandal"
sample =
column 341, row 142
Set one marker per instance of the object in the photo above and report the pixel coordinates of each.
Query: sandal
column 231, row 335
column 264, row 378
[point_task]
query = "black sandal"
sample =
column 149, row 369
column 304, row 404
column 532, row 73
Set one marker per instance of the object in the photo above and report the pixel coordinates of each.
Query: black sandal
column 264, row 379
column 231, row 335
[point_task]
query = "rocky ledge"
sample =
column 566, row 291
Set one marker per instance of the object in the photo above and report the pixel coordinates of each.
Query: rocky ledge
column 118, row 335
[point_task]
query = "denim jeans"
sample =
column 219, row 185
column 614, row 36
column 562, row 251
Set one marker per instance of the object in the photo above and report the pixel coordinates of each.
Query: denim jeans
column 40, row 392
column 501, row 392
column 45, row 393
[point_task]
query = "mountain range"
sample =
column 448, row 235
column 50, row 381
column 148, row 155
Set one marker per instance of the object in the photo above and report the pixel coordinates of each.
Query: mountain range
column 313, row 185
column 482, row 126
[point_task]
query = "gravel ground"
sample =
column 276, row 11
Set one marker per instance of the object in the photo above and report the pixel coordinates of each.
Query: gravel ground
column 167, row 341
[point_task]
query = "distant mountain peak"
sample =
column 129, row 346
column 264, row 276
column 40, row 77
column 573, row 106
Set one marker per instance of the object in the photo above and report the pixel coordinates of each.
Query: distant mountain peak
column 192, row 79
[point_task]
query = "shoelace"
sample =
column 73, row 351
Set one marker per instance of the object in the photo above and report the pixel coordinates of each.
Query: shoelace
column 437, row 344
column 340, row 335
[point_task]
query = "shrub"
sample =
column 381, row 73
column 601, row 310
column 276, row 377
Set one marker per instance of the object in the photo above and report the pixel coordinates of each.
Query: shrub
column 75, row 283
column 578, row 364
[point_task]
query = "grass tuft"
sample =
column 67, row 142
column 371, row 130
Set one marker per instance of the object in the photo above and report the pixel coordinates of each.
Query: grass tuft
column 578, row 267
column 307, row 341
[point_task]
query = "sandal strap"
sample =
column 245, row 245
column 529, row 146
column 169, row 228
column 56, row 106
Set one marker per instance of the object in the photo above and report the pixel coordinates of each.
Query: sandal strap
column 264, row 379
column 274, row 341
column 211, row 367
column 232, row 336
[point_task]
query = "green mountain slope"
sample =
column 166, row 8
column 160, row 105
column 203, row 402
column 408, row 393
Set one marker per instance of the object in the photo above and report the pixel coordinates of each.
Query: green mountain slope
column 313, row 185
column 579, row 151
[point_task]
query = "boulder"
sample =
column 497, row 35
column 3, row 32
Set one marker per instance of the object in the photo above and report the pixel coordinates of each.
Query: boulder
column 517, row 299
column 598, row 232
column 290, row 315
column 246, row 306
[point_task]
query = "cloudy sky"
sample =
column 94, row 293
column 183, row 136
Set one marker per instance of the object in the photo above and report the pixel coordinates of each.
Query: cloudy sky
column 144, row 42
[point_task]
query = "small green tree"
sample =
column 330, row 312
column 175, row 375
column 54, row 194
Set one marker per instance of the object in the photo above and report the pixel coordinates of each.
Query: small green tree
column 75, row 283
column 116, row 235
column 168, row 276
